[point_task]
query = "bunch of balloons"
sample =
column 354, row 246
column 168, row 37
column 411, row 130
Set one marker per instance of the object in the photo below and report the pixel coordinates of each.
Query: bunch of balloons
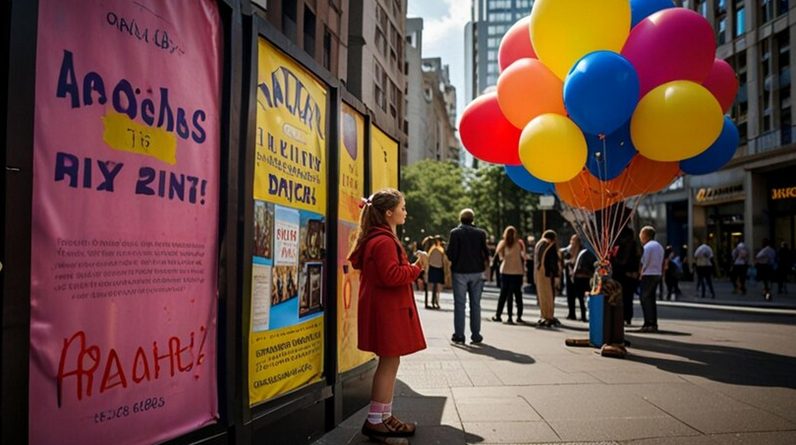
column 601, row 100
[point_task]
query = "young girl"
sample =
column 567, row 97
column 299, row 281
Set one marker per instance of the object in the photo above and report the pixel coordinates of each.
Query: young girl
column 388, row 322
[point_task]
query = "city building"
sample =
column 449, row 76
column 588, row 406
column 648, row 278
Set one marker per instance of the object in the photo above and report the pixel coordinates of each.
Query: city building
column 754, row 196
column 431, row 103
column 376, row 63
column 490, row 20
column 319, row 28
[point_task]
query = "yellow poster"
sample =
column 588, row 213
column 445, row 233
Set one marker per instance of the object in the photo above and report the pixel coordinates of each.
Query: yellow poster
column 285, row 359
column 290, row 163
column 286, row 340
column 352, row 163
column 383, row 160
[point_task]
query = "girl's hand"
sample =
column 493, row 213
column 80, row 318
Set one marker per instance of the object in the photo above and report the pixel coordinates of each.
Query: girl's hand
column 422, row 259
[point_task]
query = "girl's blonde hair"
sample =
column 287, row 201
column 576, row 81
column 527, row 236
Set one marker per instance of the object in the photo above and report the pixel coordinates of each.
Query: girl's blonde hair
column 374, row 211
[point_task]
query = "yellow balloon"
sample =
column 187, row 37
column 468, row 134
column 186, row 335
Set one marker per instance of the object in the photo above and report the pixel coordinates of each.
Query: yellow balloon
column 563, row 31
column 553, row 148
column 675, row 121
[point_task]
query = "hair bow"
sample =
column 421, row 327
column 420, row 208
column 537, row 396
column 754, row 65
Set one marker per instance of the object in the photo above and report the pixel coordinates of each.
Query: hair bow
column 364, row 202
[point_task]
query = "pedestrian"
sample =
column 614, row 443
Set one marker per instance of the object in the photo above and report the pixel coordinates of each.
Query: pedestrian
column 546, row 271
column 494, row 268
column 625, row 260
column 512, row 268
column 570, row 255
column 740, row 266
column 651, row 271
column 784, row 267
column 672, row 270
column 469, row 258
column 582, row 273
column 764, row 262
column 436, row 271
column 530, row 245
column 428, row 243
column 703, row 256
column 388, row 322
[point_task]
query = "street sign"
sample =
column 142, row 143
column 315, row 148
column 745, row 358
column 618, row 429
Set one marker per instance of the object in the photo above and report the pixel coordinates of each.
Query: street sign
column 547, row 202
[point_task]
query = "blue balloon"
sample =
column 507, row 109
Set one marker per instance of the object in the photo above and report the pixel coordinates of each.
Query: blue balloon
column 717, row 155
column 609, row 156
column 601, row 92
column 527, row 181
column 641, row 9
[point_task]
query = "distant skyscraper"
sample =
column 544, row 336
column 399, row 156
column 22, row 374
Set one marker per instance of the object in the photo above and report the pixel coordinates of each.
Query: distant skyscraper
column 490, row 20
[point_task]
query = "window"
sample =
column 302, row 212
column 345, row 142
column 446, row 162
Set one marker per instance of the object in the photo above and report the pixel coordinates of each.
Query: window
column 289, row 19
column 381, row 42
column 782, row 7
column 766, row 10
column 491, row 55
column 327, row 49
column 702, row 7
column 722, row 31
column 740, row 21
column 309, row 32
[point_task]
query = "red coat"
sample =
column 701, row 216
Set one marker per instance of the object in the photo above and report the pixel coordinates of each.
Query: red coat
column 388, row 321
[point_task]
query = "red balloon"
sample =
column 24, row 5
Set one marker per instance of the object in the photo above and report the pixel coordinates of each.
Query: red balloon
column 672, row 44
column 723, row 83
column 487, row 134
column 516, row 44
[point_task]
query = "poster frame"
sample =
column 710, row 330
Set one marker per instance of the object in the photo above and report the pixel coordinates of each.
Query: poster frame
column 19, row 42
column 270, row 411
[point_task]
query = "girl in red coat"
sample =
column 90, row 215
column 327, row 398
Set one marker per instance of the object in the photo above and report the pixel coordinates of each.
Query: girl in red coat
column 388, row 322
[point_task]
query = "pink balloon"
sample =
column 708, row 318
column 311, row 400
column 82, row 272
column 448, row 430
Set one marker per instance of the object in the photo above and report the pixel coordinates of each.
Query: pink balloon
column 516, row 44
column 723, row 83
column 673, row 44
column 487, row 134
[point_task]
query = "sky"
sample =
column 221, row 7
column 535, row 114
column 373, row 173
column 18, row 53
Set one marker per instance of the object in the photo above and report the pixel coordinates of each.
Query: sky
column 443, row 36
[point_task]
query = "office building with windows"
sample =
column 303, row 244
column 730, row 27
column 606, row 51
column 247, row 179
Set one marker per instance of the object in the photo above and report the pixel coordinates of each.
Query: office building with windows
column 490, row 20
column 754, row 195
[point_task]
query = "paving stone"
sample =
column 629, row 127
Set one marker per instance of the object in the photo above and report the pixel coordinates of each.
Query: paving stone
column 620, row 429
column 511, row 432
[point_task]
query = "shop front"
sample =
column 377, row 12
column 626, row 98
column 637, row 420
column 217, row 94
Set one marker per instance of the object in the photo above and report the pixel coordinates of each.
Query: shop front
column 718, row 215
column 782, row 207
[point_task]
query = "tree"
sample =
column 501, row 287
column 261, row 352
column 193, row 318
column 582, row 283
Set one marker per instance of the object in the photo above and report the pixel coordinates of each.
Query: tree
column 434, row 194
column 498, row 202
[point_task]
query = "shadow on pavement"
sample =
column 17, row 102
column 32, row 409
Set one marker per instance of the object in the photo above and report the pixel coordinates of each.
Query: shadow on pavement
column 427, row 411
column 726, row 364
column 496, row 353
column 660, row 332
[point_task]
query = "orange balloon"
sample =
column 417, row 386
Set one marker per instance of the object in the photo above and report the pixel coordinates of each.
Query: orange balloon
column 644, row 175
column 586, row 191
column 528, row 89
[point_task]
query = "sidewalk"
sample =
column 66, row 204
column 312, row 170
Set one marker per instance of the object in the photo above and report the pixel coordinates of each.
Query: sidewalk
column 698, row 382
column 724, row 295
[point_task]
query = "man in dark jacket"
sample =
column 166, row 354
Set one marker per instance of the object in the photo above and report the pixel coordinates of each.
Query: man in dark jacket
column 469, row 258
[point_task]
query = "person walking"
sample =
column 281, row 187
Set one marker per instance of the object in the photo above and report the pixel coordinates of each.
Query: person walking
column 427, row 244
column 388, row 322
column 740, row 267
column 570, row 254
column 545, row 272
column 530, row 245
column 651, row 271
column 764, row 261
column 672, row 269
column 436, row 271
column 469, row 258
column 494, row 268
column 512, row 260
column 703, row 257
column 582, row 273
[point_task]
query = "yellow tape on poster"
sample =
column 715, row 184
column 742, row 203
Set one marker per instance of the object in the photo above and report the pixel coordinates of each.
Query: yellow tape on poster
column 290, row 164
column 285, row 359
column 383, row 160
column 352, row 163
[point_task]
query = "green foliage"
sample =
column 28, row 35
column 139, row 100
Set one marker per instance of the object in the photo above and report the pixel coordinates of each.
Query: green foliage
column 436, row 192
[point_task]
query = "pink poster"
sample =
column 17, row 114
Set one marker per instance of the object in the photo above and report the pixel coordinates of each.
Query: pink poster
column 125, row 221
